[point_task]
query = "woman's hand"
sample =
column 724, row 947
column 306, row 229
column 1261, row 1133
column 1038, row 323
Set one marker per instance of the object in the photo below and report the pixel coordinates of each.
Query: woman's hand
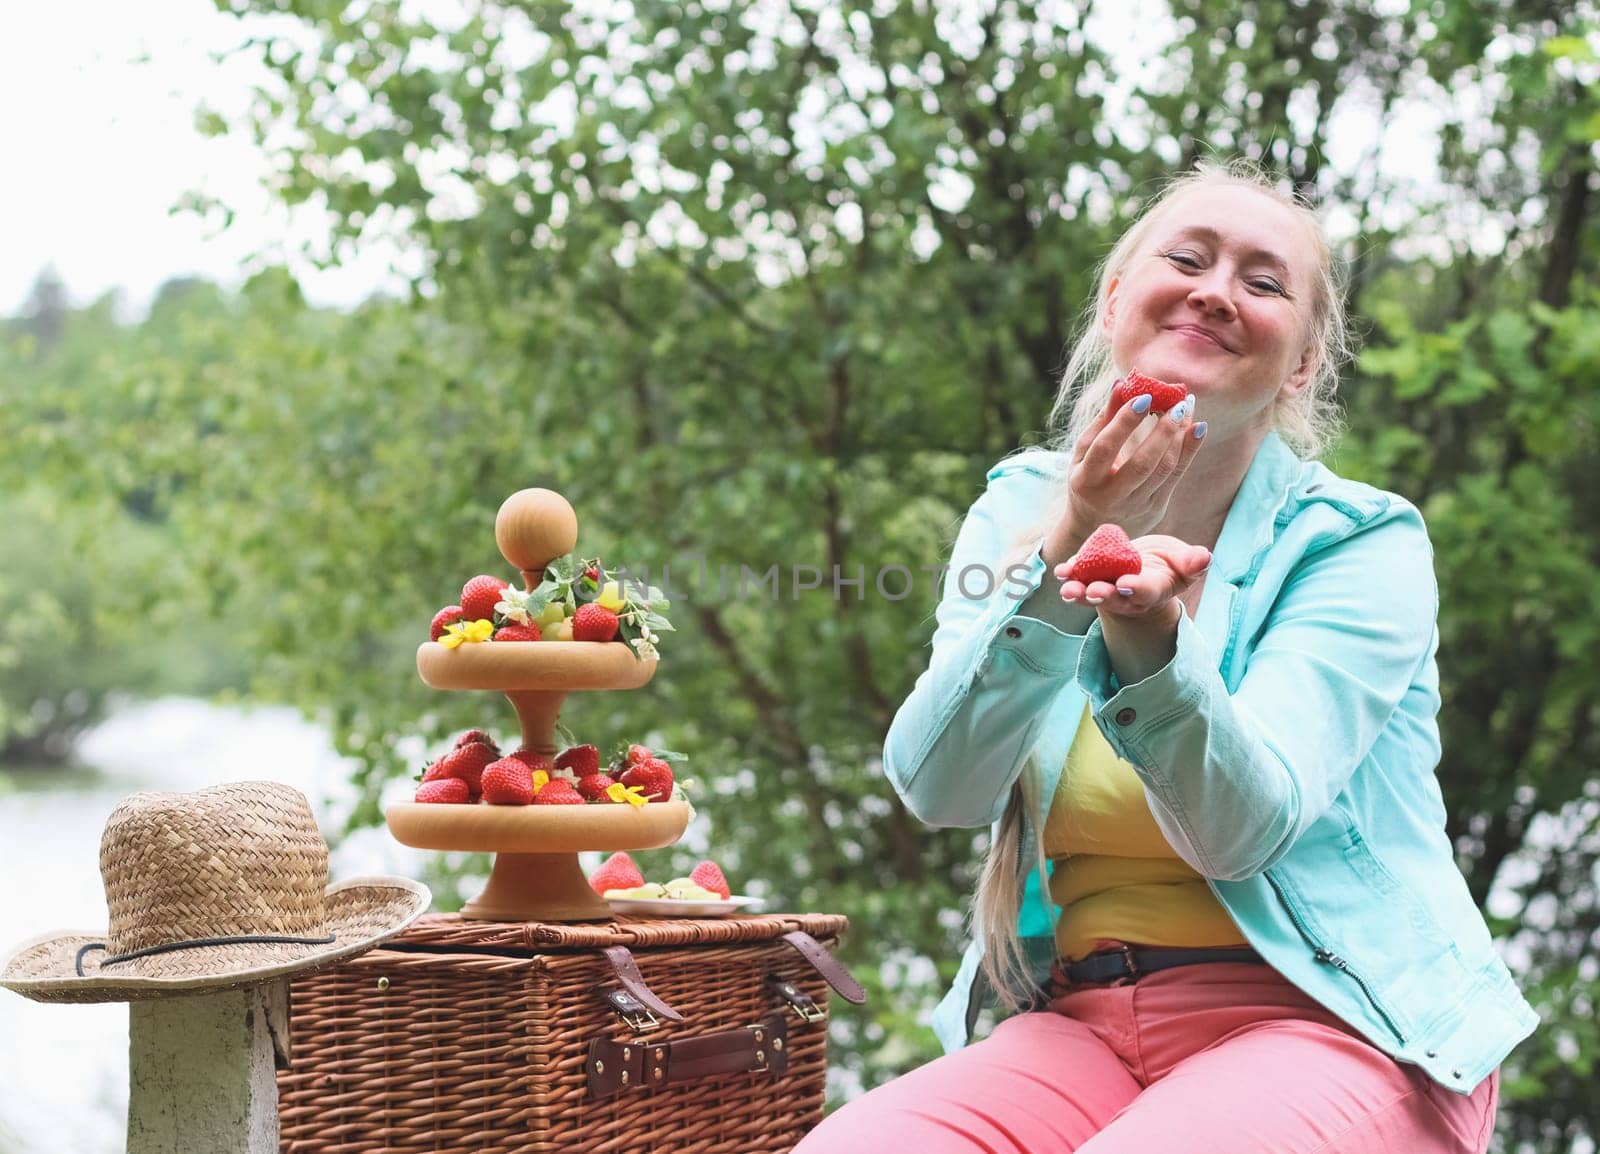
column 1169, row 567
column 1130, row 488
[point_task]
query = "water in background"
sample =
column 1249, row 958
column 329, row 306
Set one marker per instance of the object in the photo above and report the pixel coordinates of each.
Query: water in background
column 64, row 1069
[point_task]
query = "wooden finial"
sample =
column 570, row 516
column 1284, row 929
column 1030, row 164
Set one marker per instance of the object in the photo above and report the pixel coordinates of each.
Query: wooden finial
column 533, row 528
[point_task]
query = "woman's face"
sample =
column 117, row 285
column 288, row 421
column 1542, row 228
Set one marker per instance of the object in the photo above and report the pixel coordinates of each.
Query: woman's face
column 1218, row 298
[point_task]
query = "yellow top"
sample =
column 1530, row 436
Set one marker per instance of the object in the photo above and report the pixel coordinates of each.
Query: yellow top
column 1115, row 876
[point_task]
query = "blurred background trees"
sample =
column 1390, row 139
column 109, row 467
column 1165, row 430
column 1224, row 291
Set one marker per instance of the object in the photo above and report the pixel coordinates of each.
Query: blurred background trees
column 774, row 284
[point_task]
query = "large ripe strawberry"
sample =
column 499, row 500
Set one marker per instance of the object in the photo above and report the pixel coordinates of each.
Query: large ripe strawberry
column 593, row 786
column 516, row 633
column 594, row 622
column 479, row 596
column 446, row 617
column 617, row 872
column 479, row 736
column 468, row 763
column 580, row 759
column 1163, row 396
column 653, row 778
column 444, row 791
column 558, row 791
column 508, row 782
column 708, row 875
column 1105, row 556
column 436, row 771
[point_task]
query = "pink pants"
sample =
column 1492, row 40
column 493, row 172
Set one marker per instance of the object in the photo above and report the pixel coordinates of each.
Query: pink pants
column 1221, row 1057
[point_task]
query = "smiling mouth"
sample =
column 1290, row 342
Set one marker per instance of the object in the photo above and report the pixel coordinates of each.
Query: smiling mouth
column 1196, row 333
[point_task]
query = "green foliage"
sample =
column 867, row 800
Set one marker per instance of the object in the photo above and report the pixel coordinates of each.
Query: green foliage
column 771, row 287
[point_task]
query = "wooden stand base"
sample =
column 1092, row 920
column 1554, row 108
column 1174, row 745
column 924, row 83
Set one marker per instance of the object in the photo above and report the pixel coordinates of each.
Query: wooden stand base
column 537, row 887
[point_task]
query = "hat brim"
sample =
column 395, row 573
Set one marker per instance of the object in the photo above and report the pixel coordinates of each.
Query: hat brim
column 360, row 913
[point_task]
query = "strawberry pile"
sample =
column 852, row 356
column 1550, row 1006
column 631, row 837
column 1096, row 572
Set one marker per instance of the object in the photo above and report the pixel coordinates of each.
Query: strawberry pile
column 619, row 877
column 574, row 601
column 474, row 771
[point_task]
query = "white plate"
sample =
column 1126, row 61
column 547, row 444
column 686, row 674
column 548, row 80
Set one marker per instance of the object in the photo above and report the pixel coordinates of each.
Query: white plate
column 671, row 908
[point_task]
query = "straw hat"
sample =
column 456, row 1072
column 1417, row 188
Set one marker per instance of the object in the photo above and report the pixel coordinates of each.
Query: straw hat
column 225, row 886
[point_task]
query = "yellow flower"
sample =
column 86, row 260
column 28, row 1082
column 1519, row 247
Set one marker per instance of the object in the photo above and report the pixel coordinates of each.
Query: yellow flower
column 461, row 631
column 540, row 780
column 631, row 794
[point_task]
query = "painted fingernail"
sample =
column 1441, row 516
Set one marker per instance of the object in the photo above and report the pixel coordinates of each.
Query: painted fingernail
column 1094, row 600
column 1179, row 411
column 1200, row 430
column 1124, row 592
column 1141, row 404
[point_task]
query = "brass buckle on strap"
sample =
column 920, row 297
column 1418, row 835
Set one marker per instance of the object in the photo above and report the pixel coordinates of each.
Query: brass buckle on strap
column 799, row 1001
column 632, row 1011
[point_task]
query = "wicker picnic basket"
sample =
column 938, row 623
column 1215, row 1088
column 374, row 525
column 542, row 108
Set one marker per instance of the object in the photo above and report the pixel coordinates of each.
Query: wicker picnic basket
column 502, row 1037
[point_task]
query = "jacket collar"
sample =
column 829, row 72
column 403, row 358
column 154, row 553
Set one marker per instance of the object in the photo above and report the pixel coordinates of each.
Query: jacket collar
column 1248, row 530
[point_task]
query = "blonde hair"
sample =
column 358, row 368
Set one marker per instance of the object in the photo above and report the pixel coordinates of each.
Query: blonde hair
column 1308, row 422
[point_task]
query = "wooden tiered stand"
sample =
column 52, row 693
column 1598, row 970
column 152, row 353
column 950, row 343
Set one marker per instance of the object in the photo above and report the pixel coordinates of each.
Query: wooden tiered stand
column 536, row 876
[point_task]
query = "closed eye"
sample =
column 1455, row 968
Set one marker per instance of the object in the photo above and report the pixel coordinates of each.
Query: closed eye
column 1186, row 259
column 1268, row 285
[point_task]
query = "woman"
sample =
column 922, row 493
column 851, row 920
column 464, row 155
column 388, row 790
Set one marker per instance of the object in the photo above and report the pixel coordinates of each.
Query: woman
column 1219, row 770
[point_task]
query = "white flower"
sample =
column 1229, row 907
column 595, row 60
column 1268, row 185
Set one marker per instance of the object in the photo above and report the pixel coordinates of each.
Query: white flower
column 564, row 774
column 513, row 605
column 644, row 649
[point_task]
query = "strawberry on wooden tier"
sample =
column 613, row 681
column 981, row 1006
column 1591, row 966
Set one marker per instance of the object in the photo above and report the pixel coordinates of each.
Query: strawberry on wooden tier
column 1105, row 556
column 447, row 616
column 508, row 781
column 444, row 791
column 480, row 595
column 478, row 736
column 617, row 872
column 593, row 786
column 534, row 759
column 1163, row 396
column 558, row 791
column 468, row 763
column 652, row 777
column 580, row 759
column 594, row 622
column 516, row 633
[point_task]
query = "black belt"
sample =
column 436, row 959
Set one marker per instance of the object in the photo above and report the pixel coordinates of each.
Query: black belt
column 1130, row 962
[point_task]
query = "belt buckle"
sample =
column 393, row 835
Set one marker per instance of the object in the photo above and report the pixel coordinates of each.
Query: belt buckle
column 1132, row 963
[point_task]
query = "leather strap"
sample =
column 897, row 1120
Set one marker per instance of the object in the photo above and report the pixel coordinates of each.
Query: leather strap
column 827, row 965
column 627, row 971
column 1131, row 962
column 613, row 1067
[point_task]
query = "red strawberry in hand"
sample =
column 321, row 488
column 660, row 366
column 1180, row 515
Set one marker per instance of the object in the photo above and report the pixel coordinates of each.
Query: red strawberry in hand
column 580, row 759
column 652, row 777
column 1163, row 396
column 708, row 876
column 1105, row 556
column 446, row 617
column 594, row 622
column 508, row 782
column 480, row 595
column 617, row 872
column 444, row 791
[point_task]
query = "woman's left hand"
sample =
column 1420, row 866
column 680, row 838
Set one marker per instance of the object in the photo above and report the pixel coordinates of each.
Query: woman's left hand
column 1169, row 567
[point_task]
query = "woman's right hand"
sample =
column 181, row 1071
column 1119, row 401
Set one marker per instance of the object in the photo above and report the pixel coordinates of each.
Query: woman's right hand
column 1131, row 490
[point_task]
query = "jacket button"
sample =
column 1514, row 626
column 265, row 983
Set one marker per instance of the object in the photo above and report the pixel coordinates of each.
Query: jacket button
column 1456, row 1074
column 1013, row 631
column 1433, row 1053
column 1127, row 716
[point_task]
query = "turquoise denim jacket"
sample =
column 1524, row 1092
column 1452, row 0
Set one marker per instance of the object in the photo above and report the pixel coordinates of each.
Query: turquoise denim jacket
column 1287, row 751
